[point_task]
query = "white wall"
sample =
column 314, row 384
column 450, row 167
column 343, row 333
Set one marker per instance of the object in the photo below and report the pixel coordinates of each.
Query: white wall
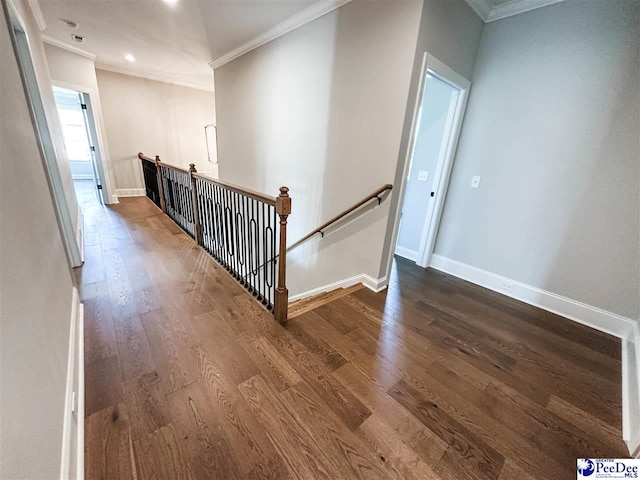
column 320, row 110
column 154, row 118
column 73, row 71
column 35, row 291
column 552, row 126
column 433, row 125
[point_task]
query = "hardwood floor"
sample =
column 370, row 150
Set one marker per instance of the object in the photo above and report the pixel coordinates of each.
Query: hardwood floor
column 186, row 377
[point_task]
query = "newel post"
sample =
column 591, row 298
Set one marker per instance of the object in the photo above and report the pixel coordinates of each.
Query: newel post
column 163, row 205
column 283, row 209
column 197, row 226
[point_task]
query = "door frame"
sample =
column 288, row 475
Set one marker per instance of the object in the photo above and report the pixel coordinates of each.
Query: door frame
column 93, row 112
column 33, row 95
column 447, row 156
column 442, row 175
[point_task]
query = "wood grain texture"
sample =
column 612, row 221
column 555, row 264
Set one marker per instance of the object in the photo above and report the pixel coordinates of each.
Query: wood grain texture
column 186, row 377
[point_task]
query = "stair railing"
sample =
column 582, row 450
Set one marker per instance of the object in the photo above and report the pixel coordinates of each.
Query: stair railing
column 243, row 230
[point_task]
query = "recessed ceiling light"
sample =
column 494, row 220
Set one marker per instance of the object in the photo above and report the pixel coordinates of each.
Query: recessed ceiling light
column 170, row 2
column 129, row 58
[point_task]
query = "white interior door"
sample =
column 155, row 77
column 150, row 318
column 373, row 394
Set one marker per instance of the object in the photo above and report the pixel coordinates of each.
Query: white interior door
column 436, row 130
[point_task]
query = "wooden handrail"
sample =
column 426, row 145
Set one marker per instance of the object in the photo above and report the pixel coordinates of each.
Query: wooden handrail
column 216, row 214
column 343, row 214
column 269, row 200
column 141, row 156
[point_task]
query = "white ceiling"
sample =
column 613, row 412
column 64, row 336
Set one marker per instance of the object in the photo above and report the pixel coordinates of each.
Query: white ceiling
column 169, row 42
column 491, row 10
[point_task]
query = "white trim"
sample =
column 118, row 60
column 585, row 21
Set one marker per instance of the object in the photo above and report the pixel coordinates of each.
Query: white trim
column 515, row 7
column 307, row 15
column 80, row 233
column 80, row 396
column 375, row 284
column 631, row 390
column 131, row 192
column 407, row 253
column 491, row 13
column 67, row 47
column 594, row 317
column 74, row 367
column 481, row 7
column 37, row 14
column 445, row 164
column 153, row 77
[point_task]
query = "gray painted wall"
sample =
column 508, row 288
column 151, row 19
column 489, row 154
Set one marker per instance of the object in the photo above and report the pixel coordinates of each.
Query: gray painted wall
column 552, row 126
column 35, row 293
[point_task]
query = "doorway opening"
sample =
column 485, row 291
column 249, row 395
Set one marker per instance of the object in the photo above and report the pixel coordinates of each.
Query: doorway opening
column 20, row 43
column 80, row 140
column 441, row 103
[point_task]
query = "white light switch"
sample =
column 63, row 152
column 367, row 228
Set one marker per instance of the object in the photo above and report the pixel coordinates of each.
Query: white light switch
column 423, row 176
column 475, row 182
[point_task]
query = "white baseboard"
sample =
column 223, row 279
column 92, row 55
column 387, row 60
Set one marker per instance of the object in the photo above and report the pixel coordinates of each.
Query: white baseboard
column 377, row 285
column 131, row 192
column 80, row 397
column 80, row 233
column 594, row 317
column 74, row 400
column 407, row 253
column 625, row 328
column 631, row 391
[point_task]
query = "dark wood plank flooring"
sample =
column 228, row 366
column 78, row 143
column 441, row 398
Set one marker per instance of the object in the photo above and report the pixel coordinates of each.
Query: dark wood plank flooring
column 186, row 377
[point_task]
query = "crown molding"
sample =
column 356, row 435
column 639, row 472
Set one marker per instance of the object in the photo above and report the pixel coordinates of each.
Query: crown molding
column 68, row 48
column 490, row 13
column 514, row 7
column 307, row 15
column 150, row 76
column 37, row 14
column 481, row 7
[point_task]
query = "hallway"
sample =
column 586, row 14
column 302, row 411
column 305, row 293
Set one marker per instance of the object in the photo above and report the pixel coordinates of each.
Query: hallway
column 187, row 377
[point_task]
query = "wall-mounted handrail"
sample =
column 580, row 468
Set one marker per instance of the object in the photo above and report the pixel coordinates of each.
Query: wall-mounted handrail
column 238, row 227
column 377, row 195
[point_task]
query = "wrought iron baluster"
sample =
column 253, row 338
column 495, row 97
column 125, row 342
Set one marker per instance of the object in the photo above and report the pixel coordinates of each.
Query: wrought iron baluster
column 273, row 254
